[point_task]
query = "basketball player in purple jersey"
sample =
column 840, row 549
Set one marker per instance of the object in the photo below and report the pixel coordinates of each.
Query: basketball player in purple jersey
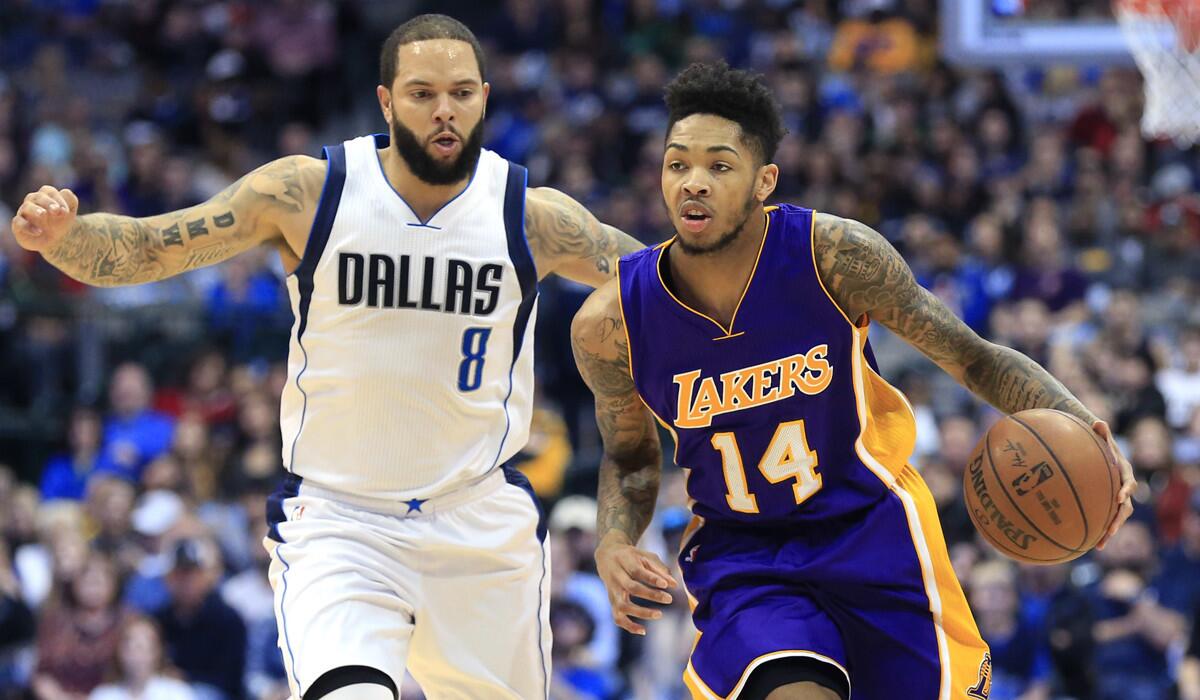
column 815, row 562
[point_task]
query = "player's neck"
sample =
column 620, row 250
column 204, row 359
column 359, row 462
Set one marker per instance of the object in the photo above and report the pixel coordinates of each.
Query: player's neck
column 423, row 198
column 713, row 283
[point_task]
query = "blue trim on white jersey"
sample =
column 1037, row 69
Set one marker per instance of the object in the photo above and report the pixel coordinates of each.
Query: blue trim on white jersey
column 517, row 478
column 318, row 237
column 382, row 141
column 522, row 259
column 283, row 620
column 518, row 251
column 288, row 488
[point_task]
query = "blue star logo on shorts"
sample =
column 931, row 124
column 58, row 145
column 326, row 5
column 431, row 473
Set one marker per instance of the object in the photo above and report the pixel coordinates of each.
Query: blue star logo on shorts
column 415, row 504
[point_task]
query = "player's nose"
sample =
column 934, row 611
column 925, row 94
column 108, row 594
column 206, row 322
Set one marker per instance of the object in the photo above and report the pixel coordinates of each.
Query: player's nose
column 695, row 185
column 442, row 111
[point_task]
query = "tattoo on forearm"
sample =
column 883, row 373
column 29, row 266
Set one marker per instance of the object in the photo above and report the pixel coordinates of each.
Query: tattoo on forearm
column 104, row 249
column 865, row 275
column 1012, row 382
column 112, row 250
column 560, row 228
column 632, row 464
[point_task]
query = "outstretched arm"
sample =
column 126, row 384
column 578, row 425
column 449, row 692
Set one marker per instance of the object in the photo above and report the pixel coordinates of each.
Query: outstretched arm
column 865, row 275
column 110, row 250
column 568, row 240
column 631, row 466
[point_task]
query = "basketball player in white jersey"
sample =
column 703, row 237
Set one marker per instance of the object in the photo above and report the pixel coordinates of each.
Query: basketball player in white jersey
column 399, row 538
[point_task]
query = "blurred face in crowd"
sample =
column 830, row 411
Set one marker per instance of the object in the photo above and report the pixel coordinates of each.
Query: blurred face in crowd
column 993, row 588
column 131, row 390
column 140, row 650
column 85, row 431
column 208, row 374
column 190, row 581
column 1132, row 547
column 70, row 553
column 958, row 437
column 1033, row 323
column 110, row 503
column 435, row 109
column 96, row 586
column 1190, row 348
column 712, row 182
column 1151, row 445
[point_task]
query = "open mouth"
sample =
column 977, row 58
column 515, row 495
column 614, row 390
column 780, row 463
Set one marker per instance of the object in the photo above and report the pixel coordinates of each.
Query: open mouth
column 695, row 218
column 445, row 143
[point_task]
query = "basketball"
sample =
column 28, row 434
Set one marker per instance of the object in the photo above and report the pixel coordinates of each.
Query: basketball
column 1040, row 487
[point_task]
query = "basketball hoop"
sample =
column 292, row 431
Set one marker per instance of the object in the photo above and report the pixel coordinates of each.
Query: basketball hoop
column 1164, row 37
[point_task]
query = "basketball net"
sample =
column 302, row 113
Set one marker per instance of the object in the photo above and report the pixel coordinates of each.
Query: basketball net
column 1164, row 37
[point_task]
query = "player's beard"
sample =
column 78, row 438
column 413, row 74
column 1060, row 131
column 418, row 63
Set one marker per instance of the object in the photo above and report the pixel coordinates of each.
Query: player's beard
column 426, row 167
column 725, row 239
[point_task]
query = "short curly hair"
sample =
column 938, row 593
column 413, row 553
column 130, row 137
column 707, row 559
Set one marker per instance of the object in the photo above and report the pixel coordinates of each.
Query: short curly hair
column 737, row 95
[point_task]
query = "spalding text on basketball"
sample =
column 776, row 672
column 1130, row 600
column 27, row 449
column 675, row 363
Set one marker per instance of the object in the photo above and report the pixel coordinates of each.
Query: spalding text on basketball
column 991, row 512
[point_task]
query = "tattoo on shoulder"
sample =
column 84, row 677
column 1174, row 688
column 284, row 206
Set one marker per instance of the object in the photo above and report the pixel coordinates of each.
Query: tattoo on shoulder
column 866, row 275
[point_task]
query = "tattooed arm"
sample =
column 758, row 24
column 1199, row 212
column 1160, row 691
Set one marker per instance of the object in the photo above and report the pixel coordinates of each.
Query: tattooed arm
column 273, row 204
column 867, row 277
column 568, row 240
column 631, row 466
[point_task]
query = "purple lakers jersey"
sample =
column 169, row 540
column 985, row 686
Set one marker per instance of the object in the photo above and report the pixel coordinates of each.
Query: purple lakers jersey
column 780, row 417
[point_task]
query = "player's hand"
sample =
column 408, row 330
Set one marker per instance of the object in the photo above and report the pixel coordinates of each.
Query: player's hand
column 1128, row 483
column 628, row 572
column 44, row 218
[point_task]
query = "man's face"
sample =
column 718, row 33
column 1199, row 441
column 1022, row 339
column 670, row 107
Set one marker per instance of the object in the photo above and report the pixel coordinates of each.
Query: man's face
column 710, row 182
column 435, row 109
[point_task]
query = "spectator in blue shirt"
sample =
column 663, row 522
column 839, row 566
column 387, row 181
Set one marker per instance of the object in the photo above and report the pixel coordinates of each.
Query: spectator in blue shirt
column 1178, row 580
column 65, row 475
column 1020, row 662
column 134, row 434
column 1133, row 630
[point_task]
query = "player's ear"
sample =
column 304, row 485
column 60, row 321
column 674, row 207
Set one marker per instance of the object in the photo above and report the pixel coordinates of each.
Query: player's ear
column 385, row 102
column 768, row 178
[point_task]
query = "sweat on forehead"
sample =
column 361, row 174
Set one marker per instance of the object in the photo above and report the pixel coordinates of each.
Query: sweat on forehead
column 425, row 28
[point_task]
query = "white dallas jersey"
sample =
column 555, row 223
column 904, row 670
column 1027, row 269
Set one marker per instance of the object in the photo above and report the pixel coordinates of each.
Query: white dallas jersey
column 410, row 369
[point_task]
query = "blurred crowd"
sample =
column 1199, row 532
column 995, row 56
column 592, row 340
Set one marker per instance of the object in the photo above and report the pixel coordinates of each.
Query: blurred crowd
column 139, row 427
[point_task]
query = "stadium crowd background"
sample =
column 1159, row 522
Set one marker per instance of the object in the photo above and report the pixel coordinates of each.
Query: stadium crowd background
column 139, row 427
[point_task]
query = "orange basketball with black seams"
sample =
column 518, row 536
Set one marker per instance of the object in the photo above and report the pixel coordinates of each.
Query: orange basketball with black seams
column 1040, row 486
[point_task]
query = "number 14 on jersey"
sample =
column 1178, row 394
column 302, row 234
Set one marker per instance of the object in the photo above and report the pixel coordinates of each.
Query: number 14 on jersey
column 787, row 457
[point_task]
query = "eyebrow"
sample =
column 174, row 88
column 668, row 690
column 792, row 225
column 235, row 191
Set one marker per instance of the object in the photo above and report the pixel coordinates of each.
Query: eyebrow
column 710, row 149
column 426, row 83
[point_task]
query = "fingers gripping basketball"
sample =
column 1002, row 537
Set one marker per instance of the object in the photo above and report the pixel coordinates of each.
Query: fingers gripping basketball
column 1040, row 487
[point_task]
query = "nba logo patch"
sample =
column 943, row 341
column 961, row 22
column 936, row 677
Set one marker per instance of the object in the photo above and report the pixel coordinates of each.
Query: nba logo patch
column 983, row 686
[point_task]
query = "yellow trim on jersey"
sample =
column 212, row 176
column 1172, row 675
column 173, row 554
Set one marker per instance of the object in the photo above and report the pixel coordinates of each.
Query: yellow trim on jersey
column 964, row 646
column 621, row 308
column 726, row 333
column 700, row 690
column 689, row 532
column 886, row 439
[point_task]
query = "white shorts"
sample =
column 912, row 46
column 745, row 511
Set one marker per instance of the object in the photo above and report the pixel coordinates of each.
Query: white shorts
column 456, row 591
